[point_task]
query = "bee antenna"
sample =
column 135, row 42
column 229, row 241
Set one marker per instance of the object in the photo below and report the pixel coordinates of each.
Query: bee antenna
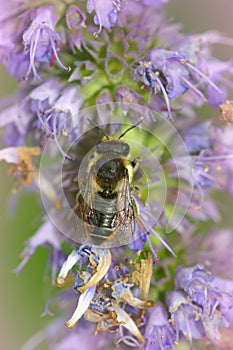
column 97, row 126
column 131, row 127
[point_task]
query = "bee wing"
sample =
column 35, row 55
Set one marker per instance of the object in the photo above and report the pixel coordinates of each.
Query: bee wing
column 126, row 213
column 84, row 207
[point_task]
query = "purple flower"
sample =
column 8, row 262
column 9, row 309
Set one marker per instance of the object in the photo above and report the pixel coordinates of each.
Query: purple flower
column 75, row 17
column 139, row 60
column 183, row 317
column 34, row 30
column 170, row 65
column 207, row 292
column 7, row 10
column 178, row 70
column 171, row 73
column 157, row 4
column 144, row 73
column 198, row 138
column 40, row 40
column 158, row 333
column 126, row 95
column 213, row 251
column 223, row 156
column 202, row 141
column 49, row 110
column 202, row 177
column 198, row 49
column 105, row 12
column 47, row 234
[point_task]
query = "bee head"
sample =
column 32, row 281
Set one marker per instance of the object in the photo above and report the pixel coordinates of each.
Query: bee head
column 113, row 146
column 110, row 144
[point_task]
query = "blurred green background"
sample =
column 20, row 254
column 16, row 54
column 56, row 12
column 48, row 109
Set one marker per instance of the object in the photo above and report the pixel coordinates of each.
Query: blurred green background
column 23, row 297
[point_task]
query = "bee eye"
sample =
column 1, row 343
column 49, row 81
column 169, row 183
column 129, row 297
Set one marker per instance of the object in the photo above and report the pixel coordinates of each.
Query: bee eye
column 125, row 149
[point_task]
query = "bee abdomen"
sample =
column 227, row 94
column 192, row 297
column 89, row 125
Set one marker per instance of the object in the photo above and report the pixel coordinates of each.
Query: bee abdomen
column 100, row 219
column 108, row 220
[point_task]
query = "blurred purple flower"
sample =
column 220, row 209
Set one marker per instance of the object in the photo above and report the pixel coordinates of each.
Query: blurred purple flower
column 183, row 317
column 208, row 293
column 213, row 251
column 139, row 59
column 48, row 235
column 75, row 17
column 159, row 332
column 105, row 13
column 34, row 31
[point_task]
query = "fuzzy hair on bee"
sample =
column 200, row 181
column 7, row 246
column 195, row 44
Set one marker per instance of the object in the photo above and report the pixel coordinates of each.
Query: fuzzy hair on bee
column 105, row 209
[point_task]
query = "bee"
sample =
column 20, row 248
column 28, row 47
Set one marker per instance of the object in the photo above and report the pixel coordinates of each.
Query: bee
column 105, row 208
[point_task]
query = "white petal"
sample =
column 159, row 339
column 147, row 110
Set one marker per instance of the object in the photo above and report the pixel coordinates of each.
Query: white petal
column 83, row 304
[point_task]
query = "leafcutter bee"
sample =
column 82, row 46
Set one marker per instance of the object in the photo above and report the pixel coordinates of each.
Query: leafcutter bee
column 105, row 207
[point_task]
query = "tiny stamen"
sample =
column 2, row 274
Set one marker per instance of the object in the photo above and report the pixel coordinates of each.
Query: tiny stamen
column 67, row 68
column 65, row 155
column 165, row 97
column 203, row 76
column 32, row 54
column 223, row 157
column 195, row 89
